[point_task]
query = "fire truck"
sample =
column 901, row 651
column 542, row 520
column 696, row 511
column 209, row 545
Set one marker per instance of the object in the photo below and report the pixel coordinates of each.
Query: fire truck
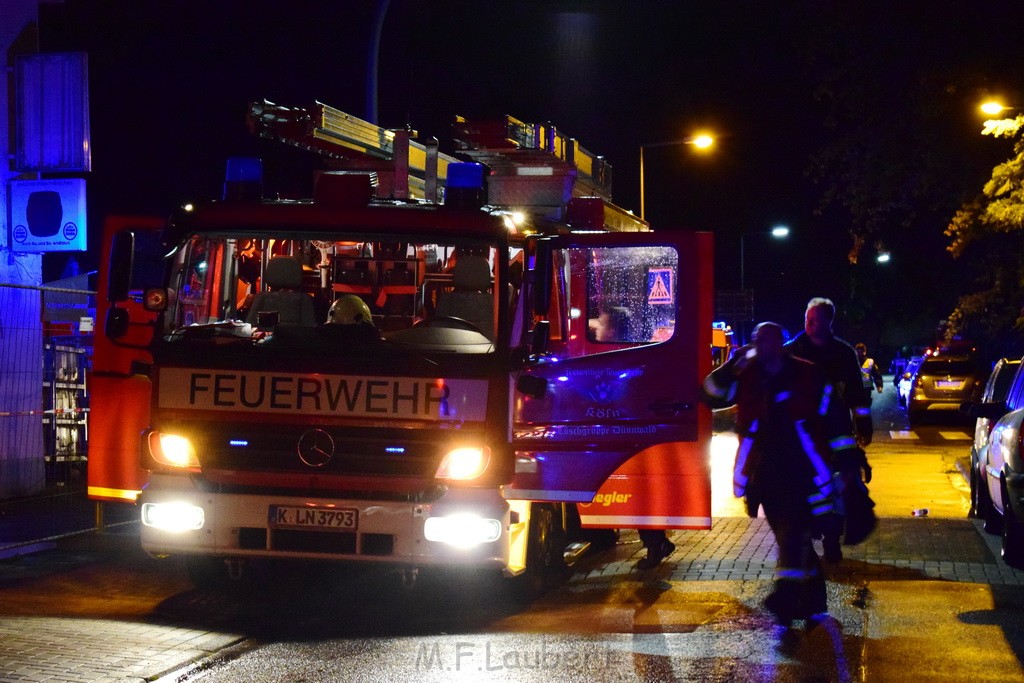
column 529, row 369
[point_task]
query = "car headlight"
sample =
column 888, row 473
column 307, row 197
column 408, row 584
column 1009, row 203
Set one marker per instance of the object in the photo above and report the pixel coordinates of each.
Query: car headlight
column 464, row 463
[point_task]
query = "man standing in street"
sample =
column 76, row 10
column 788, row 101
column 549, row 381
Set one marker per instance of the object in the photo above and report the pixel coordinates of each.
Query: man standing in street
column 871, row 376
column 838, row 361
column 789, row 428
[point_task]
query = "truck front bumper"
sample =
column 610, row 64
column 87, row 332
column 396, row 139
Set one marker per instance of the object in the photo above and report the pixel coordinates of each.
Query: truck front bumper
column 464, row 527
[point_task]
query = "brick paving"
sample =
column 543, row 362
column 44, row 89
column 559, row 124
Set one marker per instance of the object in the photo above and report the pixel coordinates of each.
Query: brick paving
column 98, row 649
column 742, row 549
column 134, row 626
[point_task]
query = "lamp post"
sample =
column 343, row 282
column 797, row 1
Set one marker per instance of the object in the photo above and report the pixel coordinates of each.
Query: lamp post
column 701, row 142
column 778, row 232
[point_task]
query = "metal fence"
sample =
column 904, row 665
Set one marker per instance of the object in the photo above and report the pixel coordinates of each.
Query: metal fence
column 45, row 354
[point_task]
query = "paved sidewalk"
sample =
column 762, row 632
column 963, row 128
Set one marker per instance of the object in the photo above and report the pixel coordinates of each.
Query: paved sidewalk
column 934, row 574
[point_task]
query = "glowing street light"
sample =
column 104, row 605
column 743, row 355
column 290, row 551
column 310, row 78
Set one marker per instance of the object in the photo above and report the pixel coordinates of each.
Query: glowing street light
column 702, row 142
column 992, row 108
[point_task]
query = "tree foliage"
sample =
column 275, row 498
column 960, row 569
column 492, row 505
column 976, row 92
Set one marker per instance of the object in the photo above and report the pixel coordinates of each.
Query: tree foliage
column 986, row 232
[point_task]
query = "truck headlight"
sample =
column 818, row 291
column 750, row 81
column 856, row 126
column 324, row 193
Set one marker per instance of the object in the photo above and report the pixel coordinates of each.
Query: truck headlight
column 464, row 463
column 174, row 517
column 172, row 450
column 462, row 530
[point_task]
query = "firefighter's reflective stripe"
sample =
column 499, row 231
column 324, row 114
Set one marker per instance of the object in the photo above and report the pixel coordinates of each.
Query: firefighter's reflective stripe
column 782, row 396
column 793, row 574
column 826, row 400
column 842, row 443
column 861, row 411
column 821, row 501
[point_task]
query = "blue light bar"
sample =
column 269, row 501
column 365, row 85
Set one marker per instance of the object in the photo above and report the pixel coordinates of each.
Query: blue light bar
column 244, row 170
column 465, row 174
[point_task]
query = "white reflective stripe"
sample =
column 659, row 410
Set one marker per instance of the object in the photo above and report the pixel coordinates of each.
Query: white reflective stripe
column 826, row 398
column 842, row 442
column 862, row 411
column 796, row 574
column 824, row 474
column 512, row 493
column 782, row 396
column 633, row 521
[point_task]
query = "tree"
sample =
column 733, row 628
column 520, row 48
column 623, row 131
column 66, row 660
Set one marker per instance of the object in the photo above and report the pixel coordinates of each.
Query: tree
column 986, row 233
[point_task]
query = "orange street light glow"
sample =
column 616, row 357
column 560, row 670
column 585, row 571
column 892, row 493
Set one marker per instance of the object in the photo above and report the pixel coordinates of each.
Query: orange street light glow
column 992, row 108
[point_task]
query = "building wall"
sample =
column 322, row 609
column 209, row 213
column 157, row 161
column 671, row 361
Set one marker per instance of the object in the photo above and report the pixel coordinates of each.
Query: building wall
column 21, row 343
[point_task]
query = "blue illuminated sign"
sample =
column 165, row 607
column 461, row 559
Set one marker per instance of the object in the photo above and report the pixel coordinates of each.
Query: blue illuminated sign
column 48, row 215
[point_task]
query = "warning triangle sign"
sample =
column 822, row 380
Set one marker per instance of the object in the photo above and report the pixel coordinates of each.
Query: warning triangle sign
column 659, row 292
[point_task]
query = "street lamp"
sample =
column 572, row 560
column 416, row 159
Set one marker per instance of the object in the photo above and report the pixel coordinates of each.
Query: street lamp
column 702, row 142
column 993, row 108
column 778, row 232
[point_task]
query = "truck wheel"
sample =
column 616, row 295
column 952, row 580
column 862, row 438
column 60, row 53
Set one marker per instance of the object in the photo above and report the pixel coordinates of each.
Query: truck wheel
column 207, row 573
column 1013, row 535
column 545, row 563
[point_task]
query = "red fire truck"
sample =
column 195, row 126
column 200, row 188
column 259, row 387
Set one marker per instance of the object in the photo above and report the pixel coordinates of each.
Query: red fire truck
column 531, row 369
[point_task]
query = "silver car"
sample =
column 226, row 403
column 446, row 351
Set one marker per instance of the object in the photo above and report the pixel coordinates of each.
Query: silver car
column 990, row 407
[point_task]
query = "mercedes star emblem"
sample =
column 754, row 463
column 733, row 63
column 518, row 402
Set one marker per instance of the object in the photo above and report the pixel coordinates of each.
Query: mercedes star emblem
column 315, row 448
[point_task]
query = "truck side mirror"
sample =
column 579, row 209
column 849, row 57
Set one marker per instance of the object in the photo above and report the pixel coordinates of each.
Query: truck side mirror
column 119, row 276
column 116, row 324
column 542, row 280
column 534, row 387
column 541, row 336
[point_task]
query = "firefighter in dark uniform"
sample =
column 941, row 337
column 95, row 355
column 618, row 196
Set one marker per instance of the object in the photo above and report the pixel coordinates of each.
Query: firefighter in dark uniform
column 789, row 430
column 838, row 360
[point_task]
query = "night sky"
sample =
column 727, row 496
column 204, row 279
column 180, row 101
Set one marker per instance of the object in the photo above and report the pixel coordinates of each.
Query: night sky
column 778, row 83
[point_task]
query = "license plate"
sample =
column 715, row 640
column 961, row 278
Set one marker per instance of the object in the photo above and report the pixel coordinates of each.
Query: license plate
column 320, row 518
column 947, row 384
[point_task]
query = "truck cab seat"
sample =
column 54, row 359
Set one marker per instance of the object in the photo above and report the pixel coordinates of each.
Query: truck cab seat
column 284, row 277
column 470, row 298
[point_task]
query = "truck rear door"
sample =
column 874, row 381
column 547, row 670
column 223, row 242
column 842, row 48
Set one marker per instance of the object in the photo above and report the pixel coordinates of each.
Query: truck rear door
column 608, row 415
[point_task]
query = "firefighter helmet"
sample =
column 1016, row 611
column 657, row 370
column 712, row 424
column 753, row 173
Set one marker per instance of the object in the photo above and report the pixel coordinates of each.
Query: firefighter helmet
column 349, row 309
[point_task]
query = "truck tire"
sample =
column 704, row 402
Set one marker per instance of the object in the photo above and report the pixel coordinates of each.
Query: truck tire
column 545, row 563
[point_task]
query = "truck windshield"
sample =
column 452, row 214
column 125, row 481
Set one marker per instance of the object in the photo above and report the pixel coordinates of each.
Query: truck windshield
column 429, row 296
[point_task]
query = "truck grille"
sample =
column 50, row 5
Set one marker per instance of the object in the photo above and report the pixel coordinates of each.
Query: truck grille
column 309, row 541
column 354, row 452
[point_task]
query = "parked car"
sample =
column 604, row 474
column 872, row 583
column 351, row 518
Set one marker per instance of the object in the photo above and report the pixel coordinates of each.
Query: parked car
column 1001, row 472
column 906, row 380
column 941, row 384
column 989, row 408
